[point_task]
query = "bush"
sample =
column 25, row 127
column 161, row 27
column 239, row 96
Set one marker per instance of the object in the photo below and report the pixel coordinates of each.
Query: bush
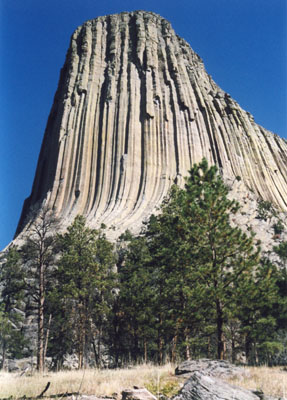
column 278, row 227
column 265, row 210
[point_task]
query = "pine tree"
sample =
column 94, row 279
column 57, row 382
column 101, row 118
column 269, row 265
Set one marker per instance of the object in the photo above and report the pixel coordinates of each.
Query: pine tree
column 201, row 255
column 136, row 299
column 38, row 254
column 281, row 251
column 280, row 309
column 222, row 254
column 179, row 310
column 12, row 294
column 256, row 294
column 84, row 286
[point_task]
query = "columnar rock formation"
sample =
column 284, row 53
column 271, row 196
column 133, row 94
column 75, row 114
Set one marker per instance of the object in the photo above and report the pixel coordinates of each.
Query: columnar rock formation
column 133, row 110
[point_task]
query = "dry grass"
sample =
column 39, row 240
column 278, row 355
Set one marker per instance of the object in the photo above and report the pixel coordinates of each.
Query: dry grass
column 90, row 381
column 272, row 381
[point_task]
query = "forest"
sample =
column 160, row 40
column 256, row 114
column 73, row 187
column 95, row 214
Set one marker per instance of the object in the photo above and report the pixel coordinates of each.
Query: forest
column 190, row 285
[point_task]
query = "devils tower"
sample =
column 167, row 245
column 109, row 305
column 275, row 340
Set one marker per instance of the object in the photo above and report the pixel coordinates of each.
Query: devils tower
column 134, row 109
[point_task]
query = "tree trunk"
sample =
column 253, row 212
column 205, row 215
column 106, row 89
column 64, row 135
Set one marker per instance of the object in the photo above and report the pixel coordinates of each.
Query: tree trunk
column 3, row 354
column 81, row 349
column 99, row 347
column 247, row 348
column 233, row 352
column 135, row 347
column 208, row 347
column 145, row 350
column 187, row 347
column 160, row 343
column 81, row 333
column 224, row 347
column 220, row 337
column 82, row 343
column 47, row 336
column 160, row 350
column 96, row 354
column 80, row 357
column 41, row 337
column 187, row 352
column 173, row 349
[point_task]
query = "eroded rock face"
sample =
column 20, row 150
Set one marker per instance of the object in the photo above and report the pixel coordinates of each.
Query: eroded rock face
column 133, row 110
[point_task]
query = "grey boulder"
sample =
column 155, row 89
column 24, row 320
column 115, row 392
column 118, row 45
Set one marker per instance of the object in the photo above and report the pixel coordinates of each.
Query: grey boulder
column 216, row 368
column 203, row 387
column 137, row 394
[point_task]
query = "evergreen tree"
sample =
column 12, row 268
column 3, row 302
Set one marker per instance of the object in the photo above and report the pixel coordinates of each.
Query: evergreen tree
column 38, row 254
column 181, row 320
column 12, row 295
column 281, row 251
column 257, row 295
column 135, row 311
column 222, row 254
column 202, row 255
column 83, row 294
column 5, row 334
column 280, row 309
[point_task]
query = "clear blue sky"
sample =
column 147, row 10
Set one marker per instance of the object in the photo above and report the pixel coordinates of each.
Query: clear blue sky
column 242, row 43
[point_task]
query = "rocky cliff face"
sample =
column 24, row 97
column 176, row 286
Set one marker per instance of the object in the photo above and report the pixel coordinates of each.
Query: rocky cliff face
column 133, row 110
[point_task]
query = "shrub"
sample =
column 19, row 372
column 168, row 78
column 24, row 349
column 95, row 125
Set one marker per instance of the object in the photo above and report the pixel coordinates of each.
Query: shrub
column 278, row 227
column 265, row 210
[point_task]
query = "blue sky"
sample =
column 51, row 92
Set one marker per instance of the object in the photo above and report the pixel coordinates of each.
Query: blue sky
column 242, row 43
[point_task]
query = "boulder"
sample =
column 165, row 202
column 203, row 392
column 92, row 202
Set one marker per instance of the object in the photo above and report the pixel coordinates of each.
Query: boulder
column 24, row 365
column 216, row 368
column 137, row 394
column 203, row 387
column 88, row 397
column 70, row 362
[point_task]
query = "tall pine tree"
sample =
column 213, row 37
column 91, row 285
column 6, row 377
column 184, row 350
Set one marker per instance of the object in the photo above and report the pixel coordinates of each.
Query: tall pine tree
column 12, row 285
column 38, row 254
column 136, row 300
column 83, row 293
column 202, row 256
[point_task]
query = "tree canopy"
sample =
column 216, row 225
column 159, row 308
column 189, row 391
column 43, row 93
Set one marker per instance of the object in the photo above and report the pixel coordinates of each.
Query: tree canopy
column 191, row 284
column 84, row 284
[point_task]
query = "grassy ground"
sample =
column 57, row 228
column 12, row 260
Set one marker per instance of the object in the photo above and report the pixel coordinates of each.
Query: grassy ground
column 90, row 381
column 272, row 381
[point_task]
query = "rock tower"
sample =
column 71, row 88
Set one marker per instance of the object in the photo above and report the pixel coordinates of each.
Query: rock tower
column 134, row 110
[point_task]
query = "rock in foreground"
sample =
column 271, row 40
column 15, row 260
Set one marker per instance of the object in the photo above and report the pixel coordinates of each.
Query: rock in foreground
column 203, row 387
column 137, row 394
column 216, row 368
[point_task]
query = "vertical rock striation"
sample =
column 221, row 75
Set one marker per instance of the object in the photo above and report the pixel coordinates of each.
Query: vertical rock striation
column 133, row 110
